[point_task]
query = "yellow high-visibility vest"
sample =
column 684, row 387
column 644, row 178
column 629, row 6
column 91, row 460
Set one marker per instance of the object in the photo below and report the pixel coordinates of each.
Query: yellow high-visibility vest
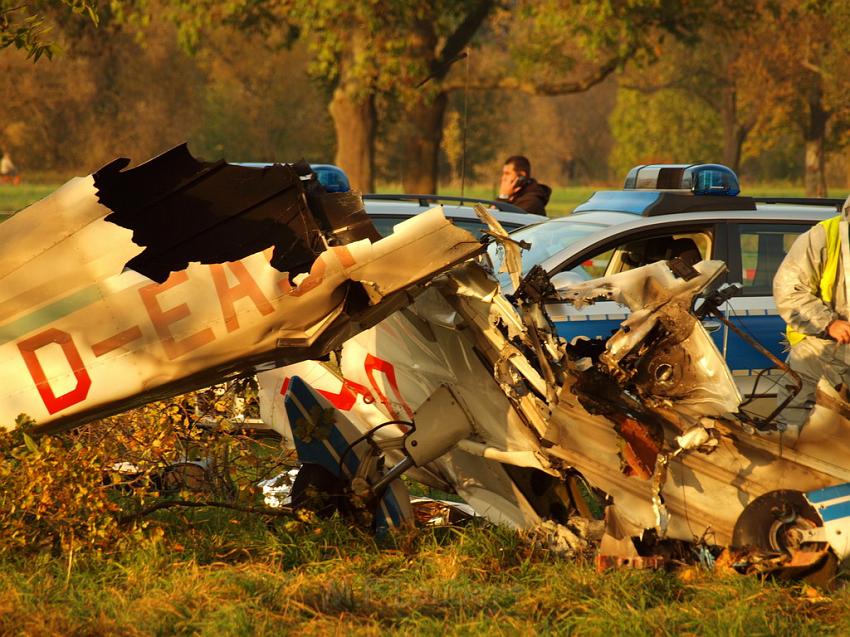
column 829, row 274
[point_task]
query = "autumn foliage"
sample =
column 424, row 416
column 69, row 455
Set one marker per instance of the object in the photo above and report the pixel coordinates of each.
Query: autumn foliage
column 98, row 486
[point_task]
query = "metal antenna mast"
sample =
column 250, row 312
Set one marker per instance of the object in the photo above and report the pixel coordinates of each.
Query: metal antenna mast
column 463, row 138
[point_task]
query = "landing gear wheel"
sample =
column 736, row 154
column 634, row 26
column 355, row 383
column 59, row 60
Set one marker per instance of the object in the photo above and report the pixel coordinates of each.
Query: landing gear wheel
column 317, row 489
column 775, row 523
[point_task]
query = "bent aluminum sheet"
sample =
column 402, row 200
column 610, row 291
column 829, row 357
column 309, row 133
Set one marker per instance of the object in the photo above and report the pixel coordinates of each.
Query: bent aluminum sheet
column 83, row 337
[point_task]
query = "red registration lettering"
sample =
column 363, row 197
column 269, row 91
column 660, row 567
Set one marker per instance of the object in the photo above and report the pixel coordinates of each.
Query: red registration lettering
column 373, row 364
column 228, row 296
column 28, row 349
column 346, row 397
column 161, row 319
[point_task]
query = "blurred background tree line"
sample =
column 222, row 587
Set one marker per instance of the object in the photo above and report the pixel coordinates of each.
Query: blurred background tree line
column 423, row 94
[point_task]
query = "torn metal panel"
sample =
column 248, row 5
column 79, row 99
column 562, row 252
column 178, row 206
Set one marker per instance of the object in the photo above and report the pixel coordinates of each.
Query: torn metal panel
column 661, row 349
column 182, row 210
column 512, row 262
column 83, row 337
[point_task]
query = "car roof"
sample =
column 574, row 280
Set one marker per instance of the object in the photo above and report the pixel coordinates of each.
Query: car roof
column 400, row 205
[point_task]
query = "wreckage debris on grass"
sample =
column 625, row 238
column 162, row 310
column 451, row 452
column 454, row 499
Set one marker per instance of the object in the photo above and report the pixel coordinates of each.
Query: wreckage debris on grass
column 441, row 375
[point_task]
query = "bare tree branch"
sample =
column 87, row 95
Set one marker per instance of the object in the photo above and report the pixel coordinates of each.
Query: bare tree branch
column 282, row 512
column 458, row 40
column 531, row 87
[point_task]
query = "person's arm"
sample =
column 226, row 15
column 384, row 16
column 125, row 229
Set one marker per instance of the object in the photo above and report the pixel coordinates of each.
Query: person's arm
column 797, row 283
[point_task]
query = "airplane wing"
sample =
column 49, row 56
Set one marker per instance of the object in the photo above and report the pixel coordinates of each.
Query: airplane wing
column 128, row 286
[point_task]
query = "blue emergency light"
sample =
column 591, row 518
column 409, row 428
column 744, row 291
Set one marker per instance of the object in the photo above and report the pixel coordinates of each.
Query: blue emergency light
column 700, row 179
column 658, row 189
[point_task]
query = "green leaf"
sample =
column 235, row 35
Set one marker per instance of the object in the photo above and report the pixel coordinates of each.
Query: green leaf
column 31, row 444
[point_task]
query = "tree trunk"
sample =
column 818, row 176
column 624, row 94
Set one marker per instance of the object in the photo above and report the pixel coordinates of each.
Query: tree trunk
column 847, row 170
column 815, row 179
column 734, row 133
column 424, row 130
column 814, row 136
column 355, row 120
column 423, row 134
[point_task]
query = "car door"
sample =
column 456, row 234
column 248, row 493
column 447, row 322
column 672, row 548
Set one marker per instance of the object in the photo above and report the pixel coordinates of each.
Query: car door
column 692, row 242
column 756, row 249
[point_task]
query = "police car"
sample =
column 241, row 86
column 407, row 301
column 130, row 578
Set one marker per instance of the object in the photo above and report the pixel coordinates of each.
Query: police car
column 386, row 211
column 689, row 211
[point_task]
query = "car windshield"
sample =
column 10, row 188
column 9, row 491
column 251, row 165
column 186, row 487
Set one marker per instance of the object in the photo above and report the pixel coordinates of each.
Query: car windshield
column 546, row 239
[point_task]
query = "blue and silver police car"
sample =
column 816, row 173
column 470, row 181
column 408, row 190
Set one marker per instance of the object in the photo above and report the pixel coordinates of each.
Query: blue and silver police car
column 690, row 211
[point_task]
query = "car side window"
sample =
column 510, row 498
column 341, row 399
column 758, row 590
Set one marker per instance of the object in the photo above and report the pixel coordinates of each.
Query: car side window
column 595, row 266
column 763, row 247
column 692, row 247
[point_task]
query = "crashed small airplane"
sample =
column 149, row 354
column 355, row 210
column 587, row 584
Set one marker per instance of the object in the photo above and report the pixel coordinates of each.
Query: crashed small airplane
column 135, row 284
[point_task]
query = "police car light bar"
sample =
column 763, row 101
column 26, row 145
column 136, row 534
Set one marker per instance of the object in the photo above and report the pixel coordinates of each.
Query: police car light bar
column 662, row 189
column 699, row 179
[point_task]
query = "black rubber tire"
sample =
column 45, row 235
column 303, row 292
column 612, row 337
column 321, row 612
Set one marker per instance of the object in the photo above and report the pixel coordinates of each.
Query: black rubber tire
column 317, row 489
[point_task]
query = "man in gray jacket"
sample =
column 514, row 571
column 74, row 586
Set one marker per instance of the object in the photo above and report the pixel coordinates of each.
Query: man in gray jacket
column 812, row 288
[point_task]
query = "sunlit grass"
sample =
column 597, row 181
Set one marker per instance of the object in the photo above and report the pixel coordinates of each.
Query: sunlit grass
column 13, row 198
column 213, row 573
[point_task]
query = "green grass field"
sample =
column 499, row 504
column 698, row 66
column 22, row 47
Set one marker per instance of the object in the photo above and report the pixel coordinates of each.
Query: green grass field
column 214, row 574
column 13, row 198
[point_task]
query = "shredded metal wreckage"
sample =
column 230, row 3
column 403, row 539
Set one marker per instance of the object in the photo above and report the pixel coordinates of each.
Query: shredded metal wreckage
column 436, row 373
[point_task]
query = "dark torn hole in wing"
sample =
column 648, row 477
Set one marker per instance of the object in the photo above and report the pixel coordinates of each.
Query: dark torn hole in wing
column 181, row 210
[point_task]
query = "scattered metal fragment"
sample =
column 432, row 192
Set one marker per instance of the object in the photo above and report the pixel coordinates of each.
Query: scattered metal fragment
column 431, row 512
column 277, row 489
column 651, row 562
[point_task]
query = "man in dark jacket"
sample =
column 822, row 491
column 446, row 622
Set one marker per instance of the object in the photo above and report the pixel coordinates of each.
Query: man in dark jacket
column 518, row 187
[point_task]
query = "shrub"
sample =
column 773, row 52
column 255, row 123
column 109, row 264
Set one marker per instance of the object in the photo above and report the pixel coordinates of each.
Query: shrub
column 96, row 486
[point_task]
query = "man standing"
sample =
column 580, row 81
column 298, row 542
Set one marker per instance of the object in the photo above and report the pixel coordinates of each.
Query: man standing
column 518, row 187
column 812, row 289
